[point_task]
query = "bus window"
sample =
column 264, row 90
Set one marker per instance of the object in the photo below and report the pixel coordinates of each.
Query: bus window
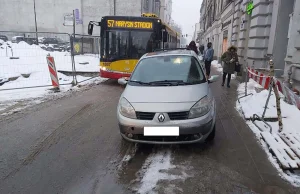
column 143, row 41
column 117, row 44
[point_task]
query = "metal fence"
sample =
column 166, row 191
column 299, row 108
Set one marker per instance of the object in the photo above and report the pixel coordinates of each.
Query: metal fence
column 23, row 58
column 84, row 44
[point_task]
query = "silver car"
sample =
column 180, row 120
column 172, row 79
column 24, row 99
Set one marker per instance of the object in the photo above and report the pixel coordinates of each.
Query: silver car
column 167, row 100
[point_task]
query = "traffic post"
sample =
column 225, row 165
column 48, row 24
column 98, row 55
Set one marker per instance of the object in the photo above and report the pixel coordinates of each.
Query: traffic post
column 53, row 73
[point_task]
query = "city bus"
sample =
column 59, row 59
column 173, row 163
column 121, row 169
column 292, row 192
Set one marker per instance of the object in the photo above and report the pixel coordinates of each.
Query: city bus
column 124, row 39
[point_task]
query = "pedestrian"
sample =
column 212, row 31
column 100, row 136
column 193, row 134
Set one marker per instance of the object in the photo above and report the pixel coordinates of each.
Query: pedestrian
column 208, row 57
column 201, row 49
column 193, row 46
column 230, row 59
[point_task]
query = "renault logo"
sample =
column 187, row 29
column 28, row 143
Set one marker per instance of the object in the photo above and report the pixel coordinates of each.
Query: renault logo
column 161, row 118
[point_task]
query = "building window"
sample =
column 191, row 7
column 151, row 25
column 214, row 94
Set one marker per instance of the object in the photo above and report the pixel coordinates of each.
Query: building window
column 157, row 6
column 146, row 5
column 227, row 2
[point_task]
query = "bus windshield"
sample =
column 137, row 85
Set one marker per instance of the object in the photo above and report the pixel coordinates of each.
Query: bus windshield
column 120, row 44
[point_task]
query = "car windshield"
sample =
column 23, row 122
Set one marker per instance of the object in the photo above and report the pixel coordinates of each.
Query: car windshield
column 162, row 70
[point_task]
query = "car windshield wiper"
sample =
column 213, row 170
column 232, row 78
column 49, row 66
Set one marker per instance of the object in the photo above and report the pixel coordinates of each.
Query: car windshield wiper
column 139, row 82
column 169, row 82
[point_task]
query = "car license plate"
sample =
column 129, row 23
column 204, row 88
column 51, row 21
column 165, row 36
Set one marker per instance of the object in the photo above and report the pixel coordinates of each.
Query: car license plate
column 161, row 131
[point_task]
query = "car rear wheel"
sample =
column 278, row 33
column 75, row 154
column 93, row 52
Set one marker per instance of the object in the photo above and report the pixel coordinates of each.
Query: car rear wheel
column 212, row 134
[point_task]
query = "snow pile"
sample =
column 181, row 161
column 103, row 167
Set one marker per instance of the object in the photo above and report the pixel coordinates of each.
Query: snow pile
column 158, row 167
column 217, row 66
column 200, row 57
column 254, row 104
column 31, row 69
column 32, row 58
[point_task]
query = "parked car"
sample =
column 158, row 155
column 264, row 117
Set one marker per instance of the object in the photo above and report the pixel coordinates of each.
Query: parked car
column 30, row 41
column 4, row 38
column 65, row 46
column 41, row 40
column 167, row 100
column 50, row 41
column 17, row 39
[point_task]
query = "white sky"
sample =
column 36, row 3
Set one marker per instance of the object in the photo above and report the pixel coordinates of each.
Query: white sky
column 186, row 13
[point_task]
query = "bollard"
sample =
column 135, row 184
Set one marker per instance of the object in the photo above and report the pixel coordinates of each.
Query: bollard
column 274, row 86
column 53, row 73
column 246, row 86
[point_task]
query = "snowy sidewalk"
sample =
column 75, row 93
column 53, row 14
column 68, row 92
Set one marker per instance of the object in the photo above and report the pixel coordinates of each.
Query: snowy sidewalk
column 283, row 148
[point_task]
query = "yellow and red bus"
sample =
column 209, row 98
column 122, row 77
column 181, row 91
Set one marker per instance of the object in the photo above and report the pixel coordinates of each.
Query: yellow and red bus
column 124, row 39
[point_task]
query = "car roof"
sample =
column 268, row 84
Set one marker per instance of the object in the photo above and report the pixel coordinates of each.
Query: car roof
column 166, row 52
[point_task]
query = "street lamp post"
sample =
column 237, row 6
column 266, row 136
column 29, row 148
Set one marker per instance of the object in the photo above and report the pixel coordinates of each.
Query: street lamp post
column 36, row 32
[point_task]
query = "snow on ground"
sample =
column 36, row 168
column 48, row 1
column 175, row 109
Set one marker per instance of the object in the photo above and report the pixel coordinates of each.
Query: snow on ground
column 215, row 64
column 219, row 68
column 158, row 167
column 255, row 104
column 31, row 69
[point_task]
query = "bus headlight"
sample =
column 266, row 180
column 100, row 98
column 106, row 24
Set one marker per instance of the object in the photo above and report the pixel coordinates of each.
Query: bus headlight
column 103, row 68
column 126, row 109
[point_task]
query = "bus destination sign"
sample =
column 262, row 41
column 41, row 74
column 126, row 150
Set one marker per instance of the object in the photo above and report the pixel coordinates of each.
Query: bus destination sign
column 129, row 24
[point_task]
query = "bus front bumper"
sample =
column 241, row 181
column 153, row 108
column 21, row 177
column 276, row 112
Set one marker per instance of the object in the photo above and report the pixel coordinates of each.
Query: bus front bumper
column 113, row 74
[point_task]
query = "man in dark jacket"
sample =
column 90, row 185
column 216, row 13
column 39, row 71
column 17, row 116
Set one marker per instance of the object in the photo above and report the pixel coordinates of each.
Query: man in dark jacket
column 208, row 58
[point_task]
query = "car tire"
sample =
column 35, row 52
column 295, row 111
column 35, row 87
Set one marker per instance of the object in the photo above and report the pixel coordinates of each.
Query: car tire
column 212, row 135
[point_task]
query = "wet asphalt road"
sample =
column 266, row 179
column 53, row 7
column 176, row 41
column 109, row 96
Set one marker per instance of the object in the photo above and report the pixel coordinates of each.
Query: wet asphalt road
column 72, row 145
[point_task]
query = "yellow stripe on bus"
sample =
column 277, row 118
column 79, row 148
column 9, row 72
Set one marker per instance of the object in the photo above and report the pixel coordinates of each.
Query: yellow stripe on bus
column 121, row 65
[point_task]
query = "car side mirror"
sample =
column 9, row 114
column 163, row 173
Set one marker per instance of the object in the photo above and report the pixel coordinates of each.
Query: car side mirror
column 123, row 81
column 214, row 78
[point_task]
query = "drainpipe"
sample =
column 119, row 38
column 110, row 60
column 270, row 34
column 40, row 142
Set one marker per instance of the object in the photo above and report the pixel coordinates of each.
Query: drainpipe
column 290, row 75
column 114, row 7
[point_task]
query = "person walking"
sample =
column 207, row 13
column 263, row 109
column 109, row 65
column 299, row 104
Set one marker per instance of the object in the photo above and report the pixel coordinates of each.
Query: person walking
column 193, row 46
column 230, row 58
column 208, row 57
column 201, row 49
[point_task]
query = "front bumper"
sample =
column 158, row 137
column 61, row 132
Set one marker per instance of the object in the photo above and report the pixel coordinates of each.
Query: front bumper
column 112, row 74
column 190, row 130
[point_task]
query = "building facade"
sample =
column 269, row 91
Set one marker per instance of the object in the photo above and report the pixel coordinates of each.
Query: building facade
column 196, row 32
column 258, row 28
column 151, row 6
column 18, row 15
column 166, row 11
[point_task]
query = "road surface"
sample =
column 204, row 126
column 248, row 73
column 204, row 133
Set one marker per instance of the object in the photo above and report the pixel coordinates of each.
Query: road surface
column 72, row 145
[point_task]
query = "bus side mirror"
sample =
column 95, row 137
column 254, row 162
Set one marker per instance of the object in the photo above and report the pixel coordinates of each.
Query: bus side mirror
column 90, row 28
column 165, row 36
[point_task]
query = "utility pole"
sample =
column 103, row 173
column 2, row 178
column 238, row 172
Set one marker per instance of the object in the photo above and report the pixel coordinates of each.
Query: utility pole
column 36, row 32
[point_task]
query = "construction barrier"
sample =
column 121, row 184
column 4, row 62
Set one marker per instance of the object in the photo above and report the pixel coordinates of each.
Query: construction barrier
column 264, row 81
column 53, row 72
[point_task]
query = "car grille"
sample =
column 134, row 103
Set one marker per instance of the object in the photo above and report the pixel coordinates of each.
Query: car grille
column 145, row 115
column 179, row 115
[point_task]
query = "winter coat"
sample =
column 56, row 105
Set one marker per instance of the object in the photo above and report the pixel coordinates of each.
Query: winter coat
column 229, row 67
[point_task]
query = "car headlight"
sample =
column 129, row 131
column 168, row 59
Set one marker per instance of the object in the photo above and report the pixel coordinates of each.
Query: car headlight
column 201, row 108
column 126, row 109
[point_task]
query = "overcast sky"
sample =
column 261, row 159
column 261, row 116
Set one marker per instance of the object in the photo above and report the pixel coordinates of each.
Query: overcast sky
column 186, row 13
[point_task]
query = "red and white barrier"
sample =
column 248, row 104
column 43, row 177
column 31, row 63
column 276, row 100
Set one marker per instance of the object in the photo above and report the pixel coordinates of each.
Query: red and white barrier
column 53, row 73
column 264, row 80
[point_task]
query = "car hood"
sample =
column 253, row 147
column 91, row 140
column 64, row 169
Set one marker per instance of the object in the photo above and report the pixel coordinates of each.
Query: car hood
column 167, row 94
